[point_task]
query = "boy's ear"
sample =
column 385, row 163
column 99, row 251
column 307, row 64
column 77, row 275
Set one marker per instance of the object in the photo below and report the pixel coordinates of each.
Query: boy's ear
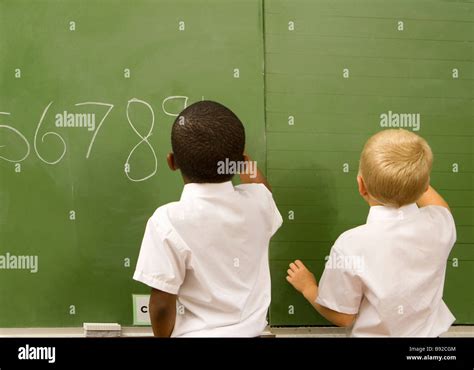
column 362, row 189
column 427, row 186
column 171, row 162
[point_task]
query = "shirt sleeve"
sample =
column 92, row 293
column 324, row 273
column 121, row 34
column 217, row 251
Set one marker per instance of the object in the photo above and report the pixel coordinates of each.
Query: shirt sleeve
column 267, row 204
column 444, row 224
column 160, row 264
column 340, row 287
column 274, row 213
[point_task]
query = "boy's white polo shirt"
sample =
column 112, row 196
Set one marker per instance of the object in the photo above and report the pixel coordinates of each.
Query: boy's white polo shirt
column 391, row 272
column 211, row 249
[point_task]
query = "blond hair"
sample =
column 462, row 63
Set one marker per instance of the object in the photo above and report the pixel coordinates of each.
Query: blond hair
column 395, row 166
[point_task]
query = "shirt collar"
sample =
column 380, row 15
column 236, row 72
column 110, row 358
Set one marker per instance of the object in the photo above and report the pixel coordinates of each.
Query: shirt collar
column 383, row 213
column 194, row 190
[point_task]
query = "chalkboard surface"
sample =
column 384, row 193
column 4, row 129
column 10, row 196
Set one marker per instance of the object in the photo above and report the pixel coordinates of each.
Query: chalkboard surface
column 88, row 93
column 89, row 89
column 337, row 72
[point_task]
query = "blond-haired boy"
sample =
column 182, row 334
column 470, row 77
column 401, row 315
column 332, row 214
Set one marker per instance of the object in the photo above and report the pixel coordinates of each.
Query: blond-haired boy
column 396, row 286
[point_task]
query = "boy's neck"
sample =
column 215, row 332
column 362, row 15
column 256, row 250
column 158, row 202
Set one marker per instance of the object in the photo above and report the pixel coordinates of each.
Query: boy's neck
column 188, row 181
column 374, row 203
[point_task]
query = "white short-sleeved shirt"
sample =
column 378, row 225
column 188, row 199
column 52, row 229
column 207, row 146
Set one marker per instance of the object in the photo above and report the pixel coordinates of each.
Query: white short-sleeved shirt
column 390, row 272
column 211, row 249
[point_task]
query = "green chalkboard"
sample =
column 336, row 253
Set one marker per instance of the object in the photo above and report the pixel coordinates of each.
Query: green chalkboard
column 332, row 68
column 89, row 89
column 88, row 93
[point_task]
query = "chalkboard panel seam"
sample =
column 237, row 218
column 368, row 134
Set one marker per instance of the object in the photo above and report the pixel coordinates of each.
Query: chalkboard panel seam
column 264, row 59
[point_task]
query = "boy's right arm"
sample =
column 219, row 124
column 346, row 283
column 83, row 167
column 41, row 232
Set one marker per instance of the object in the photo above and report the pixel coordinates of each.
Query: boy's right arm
column 264, row 196
column 431, row 198
column 245, row 178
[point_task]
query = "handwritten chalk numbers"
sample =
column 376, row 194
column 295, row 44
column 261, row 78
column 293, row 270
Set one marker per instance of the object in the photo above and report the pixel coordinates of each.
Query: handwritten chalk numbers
column 126, row 262
column 143, row 141
column 181, row 26
column 17, row 133
column 50, row 147
column 39, row 141
column 172, row 100
column 291, row 215
column 72, row 26
column 236, row 73
column 455, row 73
column 400, row 26
column 291, row 26
column 72, row 310
column 72, row 215
column 345, row 167
column 126, row 73
column 17, row 73
column 345, row 73
column 109, row 109
column 291, row 120
column 43, row 137
column 291, row 309
column 455, row 168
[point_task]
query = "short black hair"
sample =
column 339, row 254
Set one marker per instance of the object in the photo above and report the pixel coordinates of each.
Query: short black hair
column 204, row 134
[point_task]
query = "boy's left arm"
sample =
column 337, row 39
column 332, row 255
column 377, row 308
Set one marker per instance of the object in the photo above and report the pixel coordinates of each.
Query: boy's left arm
column 162, row 266
column 162, row 310
column 305, row 282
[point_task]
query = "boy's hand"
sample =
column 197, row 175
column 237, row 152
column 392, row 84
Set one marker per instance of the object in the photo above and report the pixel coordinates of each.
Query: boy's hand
column 304, row 282
column 255, row 178
column 302, row 279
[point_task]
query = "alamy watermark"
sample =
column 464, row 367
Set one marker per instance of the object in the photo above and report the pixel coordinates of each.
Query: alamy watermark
column 67, row 119
column 354, row 263
column 229, row 167
column 14, row 262
column 400, row 120
column 37, row 353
